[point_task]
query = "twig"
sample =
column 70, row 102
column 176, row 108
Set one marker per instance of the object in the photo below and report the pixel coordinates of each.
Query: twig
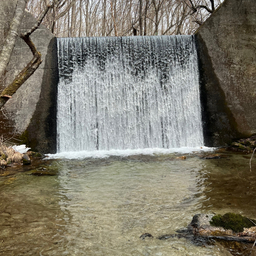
column 251, row 159
column 251, row 221
column 39, row 21
column 254, row 244
column 24, row 74
column 31, row 66
column 253, row 247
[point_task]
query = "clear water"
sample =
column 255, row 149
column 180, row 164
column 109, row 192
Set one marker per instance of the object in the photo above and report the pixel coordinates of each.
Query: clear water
column 128, row 93
column 103, row 206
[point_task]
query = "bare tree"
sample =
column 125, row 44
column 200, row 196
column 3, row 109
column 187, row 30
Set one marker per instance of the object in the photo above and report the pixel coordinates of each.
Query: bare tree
column 124, row 17
column 202, row 9
column 36, row 60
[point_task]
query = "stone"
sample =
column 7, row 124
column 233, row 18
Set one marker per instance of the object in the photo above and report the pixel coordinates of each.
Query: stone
column 146, row 235
column 26, row 160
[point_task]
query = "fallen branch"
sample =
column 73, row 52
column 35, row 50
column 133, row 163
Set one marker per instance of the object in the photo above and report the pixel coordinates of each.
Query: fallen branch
column 253, row 246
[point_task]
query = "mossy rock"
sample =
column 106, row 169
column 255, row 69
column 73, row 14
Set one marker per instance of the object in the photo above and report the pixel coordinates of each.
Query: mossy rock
column 42, row 172
column 47, row 170
column 26, row 160
column 36, row 154
column 233, row 221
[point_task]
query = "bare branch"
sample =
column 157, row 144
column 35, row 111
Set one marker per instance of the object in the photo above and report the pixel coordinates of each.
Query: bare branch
column 29, row 69
column 204, row 7
column 40, row 19
column 23, row 75
column 251, row 159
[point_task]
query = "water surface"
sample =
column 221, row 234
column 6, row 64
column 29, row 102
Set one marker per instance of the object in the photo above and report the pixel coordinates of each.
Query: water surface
column 103, row 206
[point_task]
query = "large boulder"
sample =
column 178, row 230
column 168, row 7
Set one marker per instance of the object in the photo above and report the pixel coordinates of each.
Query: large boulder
column 227, row 45
column 30, row 115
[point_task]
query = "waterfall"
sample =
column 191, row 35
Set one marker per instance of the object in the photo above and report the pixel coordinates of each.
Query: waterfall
column 128, row 93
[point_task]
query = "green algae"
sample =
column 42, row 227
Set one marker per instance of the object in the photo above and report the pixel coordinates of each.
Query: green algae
column 46, row 170
column 233, row 221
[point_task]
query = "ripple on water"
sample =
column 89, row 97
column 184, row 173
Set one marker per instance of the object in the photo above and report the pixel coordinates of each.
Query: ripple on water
column 103, row 206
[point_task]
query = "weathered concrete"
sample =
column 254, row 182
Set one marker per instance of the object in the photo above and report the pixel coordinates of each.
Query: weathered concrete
column 31, row 113
column 227, row 46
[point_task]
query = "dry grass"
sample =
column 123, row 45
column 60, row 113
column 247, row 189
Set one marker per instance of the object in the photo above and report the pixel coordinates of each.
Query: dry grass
column 8, row 154
column 16, row 157
column 3, row 163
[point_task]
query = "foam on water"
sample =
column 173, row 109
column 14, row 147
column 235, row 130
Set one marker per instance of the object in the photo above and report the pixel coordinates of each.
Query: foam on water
column 127, row 152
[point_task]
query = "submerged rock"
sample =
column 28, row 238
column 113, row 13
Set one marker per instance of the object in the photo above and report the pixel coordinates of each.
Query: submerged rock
column 212, row 156
column 45, row 171
column 42, row 173
column 146, row 235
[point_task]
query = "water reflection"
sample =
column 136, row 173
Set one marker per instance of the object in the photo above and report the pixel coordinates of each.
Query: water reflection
column 229, row 185
column 103, row 206
column 31, row 221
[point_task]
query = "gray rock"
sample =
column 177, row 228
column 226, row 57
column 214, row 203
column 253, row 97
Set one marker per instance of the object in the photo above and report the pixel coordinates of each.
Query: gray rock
column 200, row 221
column 26, row 160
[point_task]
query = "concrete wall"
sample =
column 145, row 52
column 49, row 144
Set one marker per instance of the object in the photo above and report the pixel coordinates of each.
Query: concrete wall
column 227, row 56
column 30, row 115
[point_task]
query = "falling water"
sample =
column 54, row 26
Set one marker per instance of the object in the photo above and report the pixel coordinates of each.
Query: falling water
column 128, row 93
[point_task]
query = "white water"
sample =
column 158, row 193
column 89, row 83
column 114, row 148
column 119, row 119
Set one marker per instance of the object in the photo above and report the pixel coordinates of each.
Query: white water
column 128, row 93
column 128, row 152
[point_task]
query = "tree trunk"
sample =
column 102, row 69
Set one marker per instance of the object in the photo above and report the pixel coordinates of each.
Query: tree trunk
column 140, row 17
column 145, row 17
column 104, row 20
column 113, row 12
column 12, row 35
column 73, row 21
column 31, row 66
